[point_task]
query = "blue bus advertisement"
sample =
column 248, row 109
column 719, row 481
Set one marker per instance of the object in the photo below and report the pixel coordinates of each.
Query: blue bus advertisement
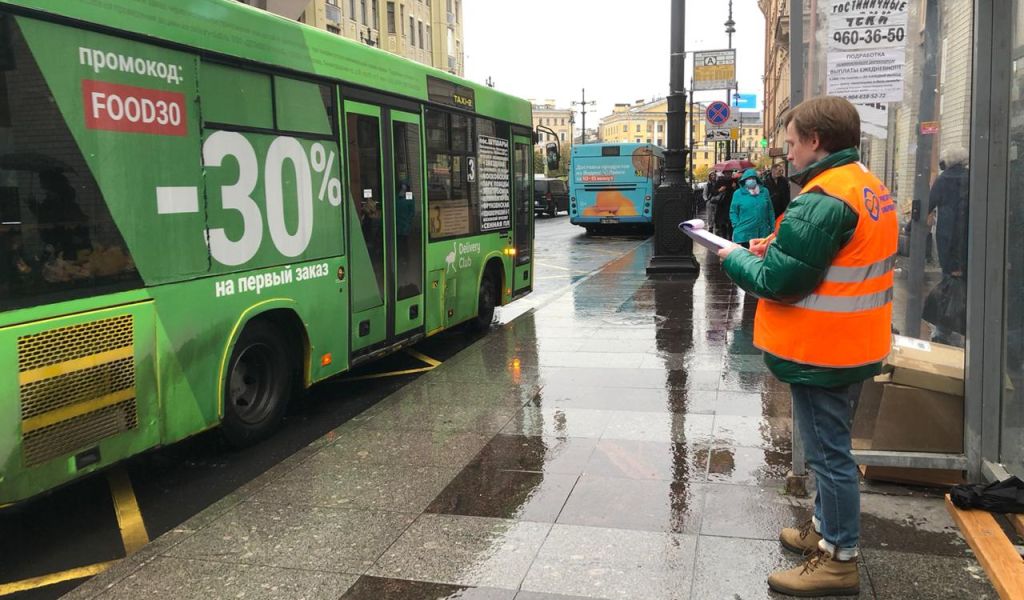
column 612, row 185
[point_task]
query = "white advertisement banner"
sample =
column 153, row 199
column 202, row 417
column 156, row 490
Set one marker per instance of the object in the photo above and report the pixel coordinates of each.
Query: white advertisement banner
column 870, row 76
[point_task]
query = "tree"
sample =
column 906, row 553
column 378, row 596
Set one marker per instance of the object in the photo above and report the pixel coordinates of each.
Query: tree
column 538, row 161
column 701, row 173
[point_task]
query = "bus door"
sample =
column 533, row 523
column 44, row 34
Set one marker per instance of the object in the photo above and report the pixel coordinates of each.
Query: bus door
column 406, row 227
column 523, row 177
column 366, row 219
column 385, row 157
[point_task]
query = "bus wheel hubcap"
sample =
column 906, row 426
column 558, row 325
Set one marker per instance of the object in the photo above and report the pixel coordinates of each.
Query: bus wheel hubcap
column 252, row 384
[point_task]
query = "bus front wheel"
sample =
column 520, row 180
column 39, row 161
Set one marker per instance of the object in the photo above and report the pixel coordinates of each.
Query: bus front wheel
column 486, row 301
column 258, row 385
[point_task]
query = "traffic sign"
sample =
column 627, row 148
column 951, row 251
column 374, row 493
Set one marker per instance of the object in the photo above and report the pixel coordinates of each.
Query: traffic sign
column 718, row 113
column 719, row 133
column 741, row 155
column 714, row 70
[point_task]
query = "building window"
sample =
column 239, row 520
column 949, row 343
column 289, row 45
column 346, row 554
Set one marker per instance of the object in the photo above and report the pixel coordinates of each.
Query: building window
column 412, row 31
column 376, row 22
column 638, row 129
column 333, row 30
column 625, row 128
column 362, row 11
column 401, row 9
column 352, row 9
column 420, row 27
column 430, row 39
column 563, row 136
column 456, row 11
column 391, row 17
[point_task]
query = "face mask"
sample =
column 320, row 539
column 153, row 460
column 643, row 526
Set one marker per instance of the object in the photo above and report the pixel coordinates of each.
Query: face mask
column 751, row 184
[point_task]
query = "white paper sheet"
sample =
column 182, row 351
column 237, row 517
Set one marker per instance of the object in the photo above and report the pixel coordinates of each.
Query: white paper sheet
column 695, row 228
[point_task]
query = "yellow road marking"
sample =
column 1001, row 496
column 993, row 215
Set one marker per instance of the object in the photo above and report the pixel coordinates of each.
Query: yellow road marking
column 75, row 410
column 78, row 364
column 389, row 374
column 423, row 357
column 6, row 589
column 129, row 519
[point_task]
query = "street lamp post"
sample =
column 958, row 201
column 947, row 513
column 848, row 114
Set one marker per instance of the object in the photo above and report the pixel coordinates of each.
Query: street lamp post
column 673, row 200
column 730, row 28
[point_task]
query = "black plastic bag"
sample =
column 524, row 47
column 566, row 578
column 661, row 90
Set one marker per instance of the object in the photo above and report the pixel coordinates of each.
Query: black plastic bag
column 946, row 305
column 1006, row 496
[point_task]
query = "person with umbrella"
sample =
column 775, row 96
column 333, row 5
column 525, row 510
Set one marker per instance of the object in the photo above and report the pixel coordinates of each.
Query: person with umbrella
column 751, row 211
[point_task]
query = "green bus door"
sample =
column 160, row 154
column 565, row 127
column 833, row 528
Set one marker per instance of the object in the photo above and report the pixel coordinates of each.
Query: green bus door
column 385, row 178
column 523, row 177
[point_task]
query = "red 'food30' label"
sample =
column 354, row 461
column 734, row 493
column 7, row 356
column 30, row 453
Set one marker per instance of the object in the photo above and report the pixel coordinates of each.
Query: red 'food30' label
column 114, row 107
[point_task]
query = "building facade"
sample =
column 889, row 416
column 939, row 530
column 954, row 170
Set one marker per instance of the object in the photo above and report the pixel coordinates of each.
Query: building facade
column 559, row 120
column 427, row 31
column 647, row 122
column 776, row 69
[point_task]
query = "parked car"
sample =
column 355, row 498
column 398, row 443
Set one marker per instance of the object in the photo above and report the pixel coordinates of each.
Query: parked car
column 550, row 196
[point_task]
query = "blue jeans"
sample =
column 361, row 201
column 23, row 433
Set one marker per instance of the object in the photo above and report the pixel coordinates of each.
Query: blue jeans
column 824, row 417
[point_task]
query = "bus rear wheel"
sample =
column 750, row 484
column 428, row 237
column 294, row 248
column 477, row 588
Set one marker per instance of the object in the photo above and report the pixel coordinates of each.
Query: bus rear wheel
column 486, row 301
column 258, row 385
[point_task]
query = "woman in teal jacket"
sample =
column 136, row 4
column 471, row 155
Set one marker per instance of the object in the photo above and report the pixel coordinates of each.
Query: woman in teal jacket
column 751, row 212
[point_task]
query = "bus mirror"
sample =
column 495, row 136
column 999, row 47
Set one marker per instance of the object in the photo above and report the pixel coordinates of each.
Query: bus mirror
column 553, row 158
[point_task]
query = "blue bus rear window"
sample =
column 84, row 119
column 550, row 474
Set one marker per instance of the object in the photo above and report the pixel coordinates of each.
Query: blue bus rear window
column 610, row 151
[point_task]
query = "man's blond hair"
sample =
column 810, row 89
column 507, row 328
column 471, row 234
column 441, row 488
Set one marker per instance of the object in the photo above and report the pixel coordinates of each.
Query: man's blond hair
column 834, row 120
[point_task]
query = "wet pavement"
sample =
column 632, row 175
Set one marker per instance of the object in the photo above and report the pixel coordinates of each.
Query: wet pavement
column 622, row 440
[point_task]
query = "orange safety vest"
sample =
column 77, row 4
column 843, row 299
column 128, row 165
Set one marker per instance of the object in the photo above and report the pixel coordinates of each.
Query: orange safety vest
column 847, row 320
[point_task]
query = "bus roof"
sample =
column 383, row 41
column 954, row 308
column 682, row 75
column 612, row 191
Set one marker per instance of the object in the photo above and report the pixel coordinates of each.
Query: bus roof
column 625, row 149
column 233, row 29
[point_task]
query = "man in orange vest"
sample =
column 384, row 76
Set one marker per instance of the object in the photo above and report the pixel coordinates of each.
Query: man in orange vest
column 825, row 284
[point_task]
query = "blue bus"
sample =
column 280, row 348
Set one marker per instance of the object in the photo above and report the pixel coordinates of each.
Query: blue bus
column 612, row 185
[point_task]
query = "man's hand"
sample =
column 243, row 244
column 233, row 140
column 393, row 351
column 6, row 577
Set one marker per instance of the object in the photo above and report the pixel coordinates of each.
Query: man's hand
column 758, row 246
column 725, row 252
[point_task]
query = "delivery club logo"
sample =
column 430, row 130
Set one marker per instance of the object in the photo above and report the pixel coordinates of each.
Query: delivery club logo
column 127, row 108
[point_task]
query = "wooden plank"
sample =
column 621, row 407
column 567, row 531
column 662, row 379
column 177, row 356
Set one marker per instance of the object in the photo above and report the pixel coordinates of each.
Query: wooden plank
column 1018, row 523
column 996, row 554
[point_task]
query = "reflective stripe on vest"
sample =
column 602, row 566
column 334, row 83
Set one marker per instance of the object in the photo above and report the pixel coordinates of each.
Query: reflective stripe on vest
column 837, row 274
column 846, row 304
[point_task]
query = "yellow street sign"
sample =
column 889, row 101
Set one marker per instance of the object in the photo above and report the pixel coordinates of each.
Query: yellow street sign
column 734, row 134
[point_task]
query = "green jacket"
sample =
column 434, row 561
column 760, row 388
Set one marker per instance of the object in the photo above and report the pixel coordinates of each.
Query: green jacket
column 816, row 227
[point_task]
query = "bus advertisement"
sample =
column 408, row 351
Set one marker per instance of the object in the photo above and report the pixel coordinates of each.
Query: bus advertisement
column 612, row 185
column 205, row 208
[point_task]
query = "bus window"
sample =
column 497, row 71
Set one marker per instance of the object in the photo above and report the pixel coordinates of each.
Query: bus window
column 57, row 238
column 452, row 201
column 317, row 102
column 408, row 218
column 235, row 97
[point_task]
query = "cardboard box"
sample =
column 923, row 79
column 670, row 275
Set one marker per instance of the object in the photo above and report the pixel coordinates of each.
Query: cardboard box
column 915, row 420
column 940, row 478
column 866, row 415
column 926, row 365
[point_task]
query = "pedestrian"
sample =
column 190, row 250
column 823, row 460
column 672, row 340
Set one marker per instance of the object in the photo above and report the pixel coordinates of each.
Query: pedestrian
column 948, row 202
column 778, row 188
column 751, row 210
column 824, row 324
column 723, row 204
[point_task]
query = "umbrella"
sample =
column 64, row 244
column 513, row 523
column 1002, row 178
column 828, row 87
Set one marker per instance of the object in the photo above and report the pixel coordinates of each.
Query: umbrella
column 734, row 165
column 33, row 161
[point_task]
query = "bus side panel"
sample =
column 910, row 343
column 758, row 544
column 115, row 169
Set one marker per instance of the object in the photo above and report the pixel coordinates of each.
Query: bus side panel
column 132, row 110
column 87, row 396
column 196, row 347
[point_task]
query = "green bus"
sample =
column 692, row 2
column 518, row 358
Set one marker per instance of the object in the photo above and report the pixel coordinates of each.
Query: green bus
column 205, row 207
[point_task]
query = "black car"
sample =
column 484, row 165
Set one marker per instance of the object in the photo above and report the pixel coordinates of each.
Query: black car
column 550, row 196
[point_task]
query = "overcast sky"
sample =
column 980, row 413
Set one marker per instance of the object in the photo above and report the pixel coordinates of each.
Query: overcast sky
column 617, row 49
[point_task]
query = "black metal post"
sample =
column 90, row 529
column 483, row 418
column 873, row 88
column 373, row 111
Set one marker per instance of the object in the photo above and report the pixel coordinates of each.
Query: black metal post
column 922, row 171
column 673, row 200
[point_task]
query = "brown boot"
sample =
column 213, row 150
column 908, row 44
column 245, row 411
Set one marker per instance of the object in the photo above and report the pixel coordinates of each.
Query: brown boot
column 802, row 540
column 820, row 575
